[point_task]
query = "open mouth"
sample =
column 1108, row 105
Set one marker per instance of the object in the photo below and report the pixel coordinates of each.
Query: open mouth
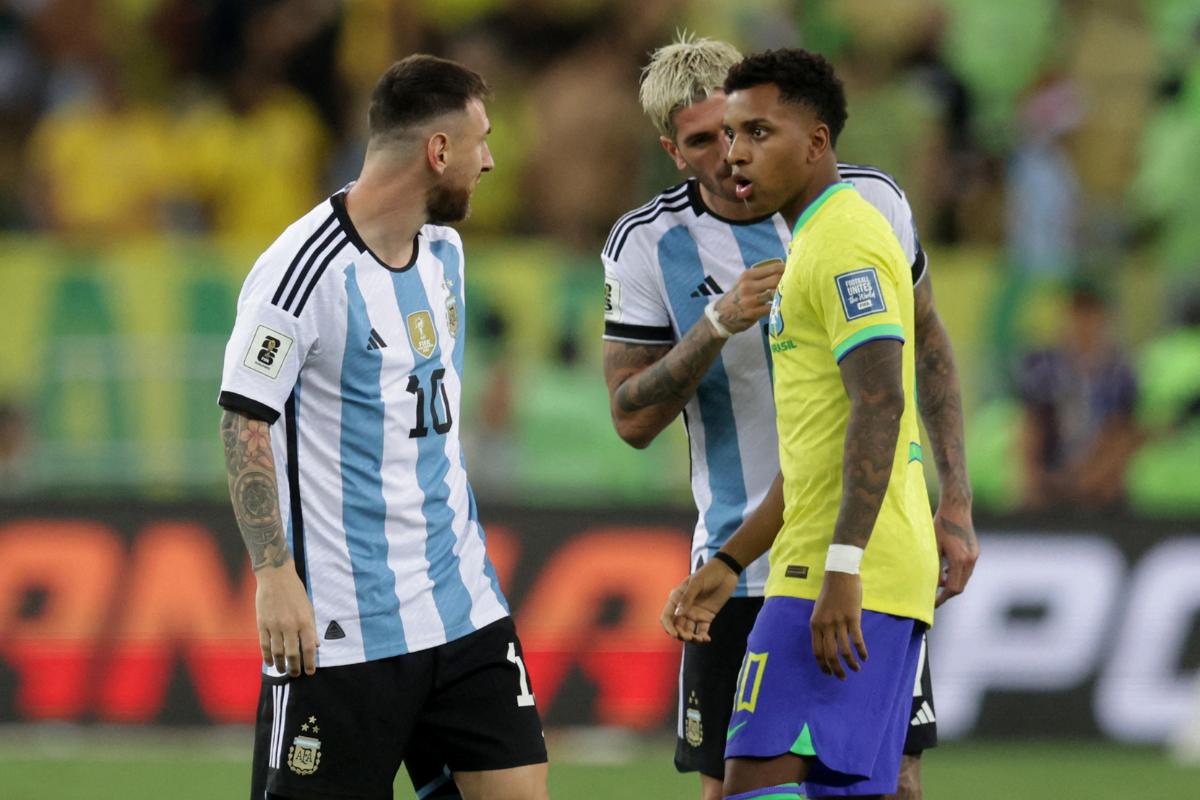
column 742, row 186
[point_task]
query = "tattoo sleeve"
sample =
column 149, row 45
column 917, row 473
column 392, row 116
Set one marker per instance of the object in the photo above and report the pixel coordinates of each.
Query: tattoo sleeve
column 253, row 489
column 940, row 400
column 874, row 381
column 649, row 385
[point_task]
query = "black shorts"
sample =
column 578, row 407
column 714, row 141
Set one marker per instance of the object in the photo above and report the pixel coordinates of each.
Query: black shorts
column 344, row 731
column 708, row 681
column 922, row 728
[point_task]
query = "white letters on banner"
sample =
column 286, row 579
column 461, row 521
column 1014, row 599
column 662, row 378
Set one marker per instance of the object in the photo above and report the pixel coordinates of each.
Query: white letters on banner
column 1049, row 613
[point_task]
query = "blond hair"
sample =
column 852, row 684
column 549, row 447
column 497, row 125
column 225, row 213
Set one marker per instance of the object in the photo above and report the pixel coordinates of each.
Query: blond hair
column 682, row 73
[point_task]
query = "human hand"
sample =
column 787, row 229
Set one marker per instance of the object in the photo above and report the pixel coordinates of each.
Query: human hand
column 694, row 603
column 837, row 623
column 959, row 548
column 287, row 629
column 750, row 298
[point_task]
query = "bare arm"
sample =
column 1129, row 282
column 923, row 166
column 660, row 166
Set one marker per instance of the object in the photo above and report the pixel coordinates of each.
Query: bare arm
column 648, row 385
column 940, row 400
column 286, row 627
column 873, row 379
column 940, row 403
column 252, row 488
column 692, row 605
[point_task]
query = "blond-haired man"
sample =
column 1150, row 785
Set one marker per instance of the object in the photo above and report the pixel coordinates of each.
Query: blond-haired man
column 689, row 278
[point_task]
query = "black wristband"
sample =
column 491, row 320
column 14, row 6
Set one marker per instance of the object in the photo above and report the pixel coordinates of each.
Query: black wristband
column 728, row 561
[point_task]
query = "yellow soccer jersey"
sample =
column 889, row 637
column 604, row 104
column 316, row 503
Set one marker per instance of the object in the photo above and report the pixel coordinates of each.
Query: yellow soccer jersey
column 846, row 283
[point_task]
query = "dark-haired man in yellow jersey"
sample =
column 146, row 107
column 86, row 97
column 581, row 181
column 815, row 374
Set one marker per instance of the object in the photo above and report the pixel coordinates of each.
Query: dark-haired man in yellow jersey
column 854, row 568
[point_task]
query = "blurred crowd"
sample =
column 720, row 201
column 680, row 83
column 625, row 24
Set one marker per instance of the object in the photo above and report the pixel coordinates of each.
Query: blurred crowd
column 1063, row 137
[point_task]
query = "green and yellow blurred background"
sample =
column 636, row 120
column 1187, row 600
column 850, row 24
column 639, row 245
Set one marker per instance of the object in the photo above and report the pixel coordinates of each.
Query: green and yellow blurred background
column 150, row 149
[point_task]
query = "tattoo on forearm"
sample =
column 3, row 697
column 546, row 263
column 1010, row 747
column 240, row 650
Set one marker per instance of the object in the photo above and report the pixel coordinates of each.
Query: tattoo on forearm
column 874, row 383
column 940, row 400
column 672, row 378
column 250, row 470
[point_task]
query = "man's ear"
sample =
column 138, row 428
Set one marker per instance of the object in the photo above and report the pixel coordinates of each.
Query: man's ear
column 673, row 151
column 819, row 142
column 437, row 152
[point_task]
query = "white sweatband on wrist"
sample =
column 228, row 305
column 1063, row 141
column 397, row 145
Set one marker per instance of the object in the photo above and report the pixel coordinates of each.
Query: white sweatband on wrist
column 710, row 311
column 843, row 558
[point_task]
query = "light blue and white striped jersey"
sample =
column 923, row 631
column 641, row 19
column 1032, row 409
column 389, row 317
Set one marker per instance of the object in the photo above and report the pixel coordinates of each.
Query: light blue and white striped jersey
column 663, row 263
column 359, row 368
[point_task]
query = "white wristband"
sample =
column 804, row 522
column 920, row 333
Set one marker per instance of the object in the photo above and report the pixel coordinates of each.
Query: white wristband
column 710, row 311
column 843, row 558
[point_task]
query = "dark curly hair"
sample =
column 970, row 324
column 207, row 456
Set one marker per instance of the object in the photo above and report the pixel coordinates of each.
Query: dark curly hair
column 802, row 77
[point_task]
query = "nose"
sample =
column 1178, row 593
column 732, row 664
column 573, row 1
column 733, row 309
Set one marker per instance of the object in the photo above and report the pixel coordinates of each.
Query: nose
column 737, row 153
column 488, row 163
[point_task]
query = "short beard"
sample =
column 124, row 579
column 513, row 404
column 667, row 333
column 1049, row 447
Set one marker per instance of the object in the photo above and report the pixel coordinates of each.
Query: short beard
column 714, row 186
column 444, row 204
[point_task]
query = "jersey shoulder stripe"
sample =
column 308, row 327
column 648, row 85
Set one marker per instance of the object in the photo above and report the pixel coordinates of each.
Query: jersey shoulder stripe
column 642, row 214
column 340, row 246
column 300, row 254
column 860, row 171
column 665, row 209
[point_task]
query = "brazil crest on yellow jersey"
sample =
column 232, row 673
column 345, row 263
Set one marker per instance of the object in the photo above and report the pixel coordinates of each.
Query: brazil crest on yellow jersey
column 847, row 282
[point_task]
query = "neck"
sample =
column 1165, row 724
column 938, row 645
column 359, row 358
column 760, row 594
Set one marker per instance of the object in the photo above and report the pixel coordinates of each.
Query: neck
column 822, row 178
column 729, row 209
column 387, row 207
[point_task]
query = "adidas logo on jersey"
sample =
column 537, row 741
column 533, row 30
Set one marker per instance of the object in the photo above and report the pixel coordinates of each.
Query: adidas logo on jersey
column 375, row 341
column 708, row 288
column 334, row 631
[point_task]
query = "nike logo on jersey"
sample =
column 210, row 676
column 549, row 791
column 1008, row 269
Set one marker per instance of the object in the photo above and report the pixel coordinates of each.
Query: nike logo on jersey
column 734, row 730
column 707, row 288
column 375, row 341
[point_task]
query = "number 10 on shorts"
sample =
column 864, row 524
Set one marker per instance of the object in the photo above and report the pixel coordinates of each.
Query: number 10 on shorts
column 525, row 697
column 750, row 680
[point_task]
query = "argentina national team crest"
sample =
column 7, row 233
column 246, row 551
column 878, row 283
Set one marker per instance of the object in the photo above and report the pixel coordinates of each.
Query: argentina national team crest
column 693, row 728
column 451, row 307
column 421, row 333
column 304, row 756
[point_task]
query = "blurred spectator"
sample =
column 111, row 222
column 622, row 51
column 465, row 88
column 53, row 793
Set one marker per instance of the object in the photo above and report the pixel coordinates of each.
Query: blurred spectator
column 98, row 161
column 1044, row 195
column 1079, row 398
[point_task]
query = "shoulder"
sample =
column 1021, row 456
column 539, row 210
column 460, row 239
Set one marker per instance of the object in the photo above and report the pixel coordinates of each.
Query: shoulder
column 873, row 183
column 283, row 260
column 442, row 237
column 641, row 219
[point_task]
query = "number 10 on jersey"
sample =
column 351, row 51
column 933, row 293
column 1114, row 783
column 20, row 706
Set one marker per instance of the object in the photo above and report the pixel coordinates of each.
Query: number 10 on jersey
column 442, row 422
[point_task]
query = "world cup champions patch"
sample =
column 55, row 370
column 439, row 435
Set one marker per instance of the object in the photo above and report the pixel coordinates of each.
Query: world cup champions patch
column 268, row 349
column 860, row 293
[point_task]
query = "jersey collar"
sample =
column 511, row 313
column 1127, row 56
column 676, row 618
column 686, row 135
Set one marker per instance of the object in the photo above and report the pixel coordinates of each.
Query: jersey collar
column 829, row 192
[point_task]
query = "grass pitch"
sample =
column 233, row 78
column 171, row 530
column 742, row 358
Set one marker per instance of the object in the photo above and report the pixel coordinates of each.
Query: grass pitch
column 62, row 765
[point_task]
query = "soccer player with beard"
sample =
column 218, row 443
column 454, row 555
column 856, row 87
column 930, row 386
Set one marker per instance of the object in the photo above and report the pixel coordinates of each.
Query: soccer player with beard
column 341, row 390
column 680, row 257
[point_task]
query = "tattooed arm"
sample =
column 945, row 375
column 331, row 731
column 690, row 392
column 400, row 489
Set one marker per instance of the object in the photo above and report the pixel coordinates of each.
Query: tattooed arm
column 873, row 378
column 648, row 385
column 286, row 628
column 940, row 403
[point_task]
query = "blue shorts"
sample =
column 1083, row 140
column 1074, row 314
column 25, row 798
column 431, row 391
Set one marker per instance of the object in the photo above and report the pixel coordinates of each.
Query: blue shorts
column 851, row 732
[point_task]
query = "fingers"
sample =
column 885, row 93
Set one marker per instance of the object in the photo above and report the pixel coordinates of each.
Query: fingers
column 842, row 636
column 308, row 649
column 958, row 572
column 278, row 658
column 860, row 644
column 667, row 617
column 264, row 646
column 291, row 652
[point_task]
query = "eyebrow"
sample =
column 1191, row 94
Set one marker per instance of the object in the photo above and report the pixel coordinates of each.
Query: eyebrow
column 755, row 122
